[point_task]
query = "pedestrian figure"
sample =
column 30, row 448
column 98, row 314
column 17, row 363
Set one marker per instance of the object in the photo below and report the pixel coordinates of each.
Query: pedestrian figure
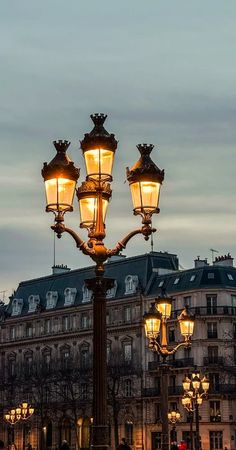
column 123, row 445
column 173, row 445
column 64, row 445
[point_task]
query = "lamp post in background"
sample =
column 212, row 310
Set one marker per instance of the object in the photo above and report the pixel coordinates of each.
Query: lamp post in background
column 196, row 390
column 173, row 417
column 60, row 177
column 23, row 412
column 155, row 322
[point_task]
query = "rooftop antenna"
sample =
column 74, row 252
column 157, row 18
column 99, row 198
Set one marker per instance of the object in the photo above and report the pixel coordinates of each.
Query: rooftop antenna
column 212, row 253
column 152, row 245
column 54, row 249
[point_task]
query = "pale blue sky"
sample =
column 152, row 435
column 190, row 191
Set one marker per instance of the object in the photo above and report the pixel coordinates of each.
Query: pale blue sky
column 164, row 72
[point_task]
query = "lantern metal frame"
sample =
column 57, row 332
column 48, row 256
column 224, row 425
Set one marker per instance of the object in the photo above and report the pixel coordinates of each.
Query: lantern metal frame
column 22, row 412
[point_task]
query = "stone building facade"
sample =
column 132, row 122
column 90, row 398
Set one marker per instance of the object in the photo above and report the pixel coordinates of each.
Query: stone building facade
column 46, row 353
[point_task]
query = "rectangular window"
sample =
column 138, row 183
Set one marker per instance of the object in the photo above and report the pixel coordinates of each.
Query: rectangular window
column 212, row 330
column 211, row 301
column 84, row 391
column 127, row 314
column 128, row 388
column 48, row 326
column 12, row 333
column 215, row 414
column 171, row 333
column 127, row 350
column 29, row 330
column 214, row 379
column 216, row 440
column 84, row 321
column 157, row 409
column 65, row 323
column 187, row 301
column 213, row 354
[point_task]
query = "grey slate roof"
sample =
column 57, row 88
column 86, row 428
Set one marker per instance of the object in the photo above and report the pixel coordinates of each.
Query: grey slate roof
column 141, row 265
column 144, row 266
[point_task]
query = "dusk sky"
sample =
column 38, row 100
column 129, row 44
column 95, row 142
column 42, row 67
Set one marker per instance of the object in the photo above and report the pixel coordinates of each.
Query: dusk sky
column 165, row 73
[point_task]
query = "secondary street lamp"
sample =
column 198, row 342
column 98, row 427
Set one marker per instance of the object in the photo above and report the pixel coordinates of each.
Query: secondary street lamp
column 155, row 322
column 23, row 412
column 196, row 390
column 173, row 417
column 60, row 177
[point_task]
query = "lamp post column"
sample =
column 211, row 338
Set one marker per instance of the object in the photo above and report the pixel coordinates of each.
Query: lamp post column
column 197, row 426
column 99, row 286
column 164, row 406
column 191, row 429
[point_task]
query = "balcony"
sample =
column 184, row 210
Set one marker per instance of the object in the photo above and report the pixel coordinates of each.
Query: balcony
column 213, row 360
column 223, row 389
column 156, row 392
column 208, row 311
column 185, row 362
column 176, row 363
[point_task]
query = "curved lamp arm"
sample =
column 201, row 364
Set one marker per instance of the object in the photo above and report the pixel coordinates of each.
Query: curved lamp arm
column 60, row 228
column 164, row 352
column 145, row 230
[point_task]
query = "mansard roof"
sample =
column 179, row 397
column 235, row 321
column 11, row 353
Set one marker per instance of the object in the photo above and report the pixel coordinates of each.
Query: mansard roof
column 207, row 277
column 140, row 266
column 154, row 271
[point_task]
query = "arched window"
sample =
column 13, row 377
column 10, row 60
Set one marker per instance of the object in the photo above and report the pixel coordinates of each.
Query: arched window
column 87, row 294
column 70, row 294
column 129, row 432
column 131, row 284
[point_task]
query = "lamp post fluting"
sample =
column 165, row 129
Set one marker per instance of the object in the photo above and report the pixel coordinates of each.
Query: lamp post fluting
column 93, row 195
column 155, row 322
column 196, row 389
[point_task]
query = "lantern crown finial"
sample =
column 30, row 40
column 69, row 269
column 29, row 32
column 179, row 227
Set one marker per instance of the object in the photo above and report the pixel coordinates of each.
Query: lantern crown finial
column 61, row 146
column 98, row 119
column 145, row 168
column 98, row 136
column 145, row 149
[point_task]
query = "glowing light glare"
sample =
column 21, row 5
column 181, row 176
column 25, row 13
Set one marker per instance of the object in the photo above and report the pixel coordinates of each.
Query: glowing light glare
column 145, row 195
column 59, row 193
column 99, row 162
column 152, row 327
column 163, row 305
column 88, row 210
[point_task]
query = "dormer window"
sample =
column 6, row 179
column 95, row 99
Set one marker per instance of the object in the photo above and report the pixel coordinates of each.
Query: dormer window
column 176, row 281
column 51, row 298
column 34, row 301
column 131, row 284
column 192, row 278
column 230, row 276
column 210, row 276
column 70, row 294
column 161, row 283
column 17, row 305
column 87, row 294
column 112, row 292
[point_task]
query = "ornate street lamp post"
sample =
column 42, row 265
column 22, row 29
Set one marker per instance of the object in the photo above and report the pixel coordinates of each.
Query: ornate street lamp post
column 196, row 390
column 173, row 417
column 60, row 177
column 155, row 322
column 23, row 412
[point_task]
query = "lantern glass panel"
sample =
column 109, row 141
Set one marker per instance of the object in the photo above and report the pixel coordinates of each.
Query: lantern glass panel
column 164, row 307
column 59, row 193
column 88, row 210
column 145, row 195
column 99, row 162
column 152, row 327
column 186, row 327
column 205, row 384
column 196, row 383
column 186, row 384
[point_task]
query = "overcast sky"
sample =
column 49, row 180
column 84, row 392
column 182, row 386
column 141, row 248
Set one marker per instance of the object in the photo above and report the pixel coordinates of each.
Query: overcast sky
column 165, row 73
